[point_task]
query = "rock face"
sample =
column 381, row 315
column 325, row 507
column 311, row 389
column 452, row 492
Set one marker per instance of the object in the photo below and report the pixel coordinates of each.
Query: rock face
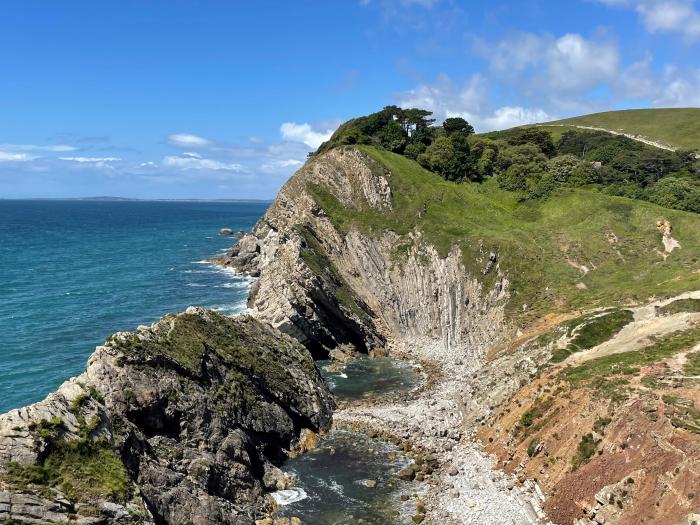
column 328, row 287
column 179, row 423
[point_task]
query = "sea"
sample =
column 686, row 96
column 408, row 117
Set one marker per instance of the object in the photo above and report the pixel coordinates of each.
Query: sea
column 73, row 272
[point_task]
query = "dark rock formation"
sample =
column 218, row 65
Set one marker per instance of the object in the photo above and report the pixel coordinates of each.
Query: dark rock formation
column 179, row 423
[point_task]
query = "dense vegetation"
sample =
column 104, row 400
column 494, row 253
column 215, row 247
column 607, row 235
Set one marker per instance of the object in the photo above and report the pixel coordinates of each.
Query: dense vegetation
column 532, row 162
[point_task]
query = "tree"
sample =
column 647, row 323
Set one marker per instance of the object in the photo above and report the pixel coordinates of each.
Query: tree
column 561, row 168
column 520, row 167
column 676, row 192
column 449, row 156
column 392, row 136
column 414, row 149
column 457, row 125
column 539, row 137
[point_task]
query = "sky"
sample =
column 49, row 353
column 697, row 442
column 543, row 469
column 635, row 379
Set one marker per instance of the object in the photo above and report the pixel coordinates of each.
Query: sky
column 224, row 99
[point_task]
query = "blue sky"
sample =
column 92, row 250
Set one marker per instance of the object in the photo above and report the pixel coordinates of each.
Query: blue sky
column 224, row 99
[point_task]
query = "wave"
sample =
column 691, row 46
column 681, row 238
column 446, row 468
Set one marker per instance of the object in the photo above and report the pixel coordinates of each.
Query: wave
column 289, row 496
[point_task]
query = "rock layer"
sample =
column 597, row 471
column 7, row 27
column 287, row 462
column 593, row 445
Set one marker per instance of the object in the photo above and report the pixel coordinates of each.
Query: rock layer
column 182, row 422
column 328, row 287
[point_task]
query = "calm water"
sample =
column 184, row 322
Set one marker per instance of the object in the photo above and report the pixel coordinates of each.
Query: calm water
column 333, row 482
column 370, row 377
column 74, row 272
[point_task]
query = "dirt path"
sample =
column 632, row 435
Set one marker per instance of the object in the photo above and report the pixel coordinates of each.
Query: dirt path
column 638, row 138
column 640, row 333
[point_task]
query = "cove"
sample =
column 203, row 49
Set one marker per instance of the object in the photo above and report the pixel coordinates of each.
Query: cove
column 349, row 478
column 369, row 377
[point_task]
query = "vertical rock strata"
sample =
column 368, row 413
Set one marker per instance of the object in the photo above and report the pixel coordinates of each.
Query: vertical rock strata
column 330, row 287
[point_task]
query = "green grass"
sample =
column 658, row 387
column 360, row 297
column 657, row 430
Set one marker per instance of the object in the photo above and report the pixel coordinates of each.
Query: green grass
column 592, row 331
column 81, row 470
column 680, row 306
column 532, row 239
column 607, row 376
column 692, row 365
column 679, row 127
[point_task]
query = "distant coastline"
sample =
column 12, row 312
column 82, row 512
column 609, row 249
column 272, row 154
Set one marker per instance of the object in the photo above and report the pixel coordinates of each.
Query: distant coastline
column 127, row 199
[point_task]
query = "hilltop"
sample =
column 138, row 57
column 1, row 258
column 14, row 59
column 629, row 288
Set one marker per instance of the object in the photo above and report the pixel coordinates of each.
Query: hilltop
column 675, row 127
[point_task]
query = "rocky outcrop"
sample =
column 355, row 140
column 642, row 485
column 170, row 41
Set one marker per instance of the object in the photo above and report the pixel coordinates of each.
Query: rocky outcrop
column 179, row 423
column 329, row 285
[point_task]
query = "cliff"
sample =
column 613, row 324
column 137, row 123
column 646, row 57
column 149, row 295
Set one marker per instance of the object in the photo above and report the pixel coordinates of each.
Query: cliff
column 179, row 423
column 364, row 249
column 331, row 285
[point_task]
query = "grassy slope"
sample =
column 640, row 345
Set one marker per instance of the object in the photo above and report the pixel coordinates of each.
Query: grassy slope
column 679, row 128
column 534, row 239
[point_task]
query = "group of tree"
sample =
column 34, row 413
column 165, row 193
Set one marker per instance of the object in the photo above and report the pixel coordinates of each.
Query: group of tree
column 444, row 149
column 527, row 160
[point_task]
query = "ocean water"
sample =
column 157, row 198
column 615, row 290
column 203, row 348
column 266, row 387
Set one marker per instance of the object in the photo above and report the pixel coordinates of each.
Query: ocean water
column 74, row 272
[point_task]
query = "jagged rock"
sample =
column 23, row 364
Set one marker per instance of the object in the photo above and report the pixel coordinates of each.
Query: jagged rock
column 176, row 424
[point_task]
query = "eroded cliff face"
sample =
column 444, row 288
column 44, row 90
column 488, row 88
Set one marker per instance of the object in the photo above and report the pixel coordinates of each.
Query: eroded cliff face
column 331, row 287
column 179, row 423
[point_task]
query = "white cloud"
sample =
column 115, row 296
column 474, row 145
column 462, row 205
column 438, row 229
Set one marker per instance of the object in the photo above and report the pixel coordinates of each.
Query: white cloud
column 90, row 160
column 678, row 89
column 186, row 140
column 575, row 63
column 8, row 156
column 280, row 166
column 194, row 161
column 305, row 134
column 471, row 101
column 512, row 116
column 665, row 16
column 568, row 63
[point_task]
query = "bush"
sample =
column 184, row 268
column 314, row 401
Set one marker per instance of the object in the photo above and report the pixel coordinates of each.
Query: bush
column 585, row 451
column 676, row 192
column 562, row 168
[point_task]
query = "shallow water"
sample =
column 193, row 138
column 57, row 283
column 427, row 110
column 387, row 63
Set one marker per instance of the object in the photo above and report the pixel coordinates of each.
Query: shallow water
column 332, row 480
column 366, row 377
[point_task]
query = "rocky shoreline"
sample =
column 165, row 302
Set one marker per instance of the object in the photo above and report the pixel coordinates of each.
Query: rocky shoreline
column 462, row 484
column 180, row 423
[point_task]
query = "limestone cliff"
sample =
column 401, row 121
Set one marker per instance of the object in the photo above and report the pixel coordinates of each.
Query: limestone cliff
column 179, row 423
column 328, row 286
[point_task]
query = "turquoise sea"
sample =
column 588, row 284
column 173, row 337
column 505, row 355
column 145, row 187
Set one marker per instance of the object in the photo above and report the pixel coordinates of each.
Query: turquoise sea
column 74, row 272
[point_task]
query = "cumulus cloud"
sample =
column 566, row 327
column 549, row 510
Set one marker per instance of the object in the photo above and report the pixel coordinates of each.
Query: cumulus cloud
column 305, row 134
column 470, row 101
column 194, row 161
column 568, row 63
column 670, row 16
column 679, row 89
column 186, row 140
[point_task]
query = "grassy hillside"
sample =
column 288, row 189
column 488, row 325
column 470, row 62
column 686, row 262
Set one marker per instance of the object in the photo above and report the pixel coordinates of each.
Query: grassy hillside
column 679, row 128
column 542, row 245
